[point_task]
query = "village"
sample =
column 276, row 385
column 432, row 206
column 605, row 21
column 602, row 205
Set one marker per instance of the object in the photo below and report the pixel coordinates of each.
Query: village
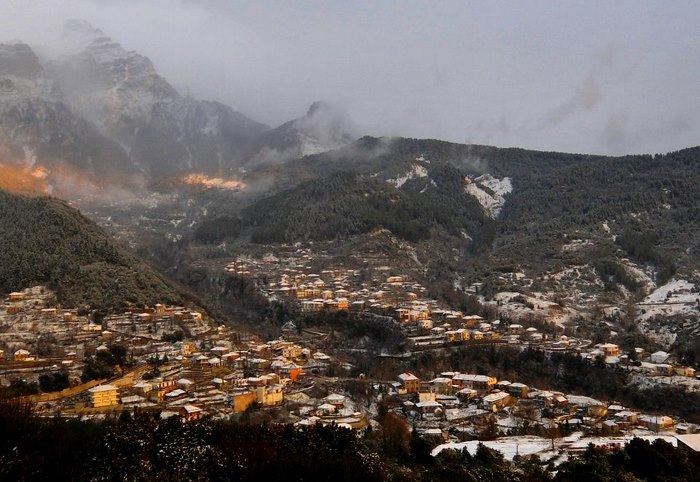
column 178, row 362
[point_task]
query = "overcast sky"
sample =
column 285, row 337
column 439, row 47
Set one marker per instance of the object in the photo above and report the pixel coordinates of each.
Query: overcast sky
column 597, row 77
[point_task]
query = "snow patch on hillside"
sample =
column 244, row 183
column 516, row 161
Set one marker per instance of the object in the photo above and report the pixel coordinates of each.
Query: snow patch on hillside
column 489, row 191
column 417, row 171
column 677, row 297
column 678, row 291
column 509, row 447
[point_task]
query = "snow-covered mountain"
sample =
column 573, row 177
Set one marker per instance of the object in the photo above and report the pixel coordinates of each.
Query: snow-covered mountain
column 108, row 112
column 39, row 132
column 162, row 131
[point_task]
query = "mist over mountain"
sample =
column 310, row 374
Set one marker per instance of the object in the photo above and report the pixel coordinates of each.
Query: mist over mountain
column 39, row 131
column 323, row 128
column 162, row 131
column 499, row 207
column 101, row 115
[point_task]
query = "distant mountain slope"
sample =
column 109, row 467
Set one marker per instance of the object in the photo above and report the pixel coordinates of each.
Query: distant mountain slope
column 653, row 196
column 45, row 241
column 389, row 157
column 342, row 204
column 541, row 202
column 163, row 132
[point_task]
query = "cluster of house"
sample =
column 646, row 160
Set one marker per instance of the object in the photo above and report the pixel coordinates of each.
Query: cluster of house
column 374, row 289
column 212, row 376
column 29, row 313
column 464, row 400
column 158, row 320
column 454, row 389
column 212, row 371
column 27, row 318
column 333, row 290
column 208, row 370
column 659, row 363
column 337, row 288
column 220, row 382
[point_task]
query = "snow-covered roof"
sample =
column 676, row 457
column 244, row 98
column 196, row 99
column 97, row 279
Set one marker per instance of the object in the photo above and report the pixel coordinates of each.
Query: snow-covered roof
column 191, row 409
column 102, row 388
column 466, row 377
column 495, row 397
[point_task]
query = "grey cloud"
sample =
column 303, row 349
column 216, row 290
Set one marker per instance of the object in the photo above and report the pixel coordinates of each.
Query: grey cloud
column 587, row 96
column 615, row 132
column 620, row 131
column 535, row 75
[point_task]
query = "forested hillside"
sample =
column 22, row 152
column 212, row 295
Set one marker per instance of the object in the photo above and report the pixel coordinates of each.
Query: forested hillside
column 643, row 207
column 344, row 204
column 45, row 241
column 651, row 203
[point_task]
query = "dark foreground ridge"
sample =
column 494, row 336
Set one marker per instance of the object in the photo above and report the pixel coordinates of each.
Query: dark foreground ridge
column 148, row 448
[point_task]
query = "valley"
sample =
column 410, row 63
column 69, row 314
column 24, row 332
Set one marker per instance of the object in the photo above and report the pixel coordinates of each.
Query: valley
column 170, row 265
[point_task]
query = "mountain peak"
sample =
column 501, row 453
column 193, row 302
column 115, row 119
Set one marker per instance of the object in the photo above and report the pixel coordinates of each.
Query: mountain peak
column 322, row 128
column 122, row 93
column 101, row 48
column 81, row 30
column 102, row 63
column 318, row 107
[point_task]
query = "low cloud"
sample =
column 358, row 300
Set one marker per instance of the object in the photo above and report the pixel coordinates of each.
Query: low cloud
column 586, row 97
column 540, row 76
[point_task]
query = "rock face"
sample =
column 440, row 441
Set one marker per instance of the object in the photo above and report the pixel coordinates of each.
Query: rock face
column 35, row 123
column 162, row 131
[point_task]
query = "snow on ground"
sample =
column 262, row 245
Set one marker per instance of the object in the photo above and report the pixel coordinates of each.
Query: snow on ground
column 542, row 447
column 416, row 172
column 583, row 401
column 492, row 198
column 674, row 298
column 537, row 305
column 674, row 288
column 581, row 444
column 509, row 446
column 310, row 145
column 506, row 296
column 577, row 244
column 661, row 335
